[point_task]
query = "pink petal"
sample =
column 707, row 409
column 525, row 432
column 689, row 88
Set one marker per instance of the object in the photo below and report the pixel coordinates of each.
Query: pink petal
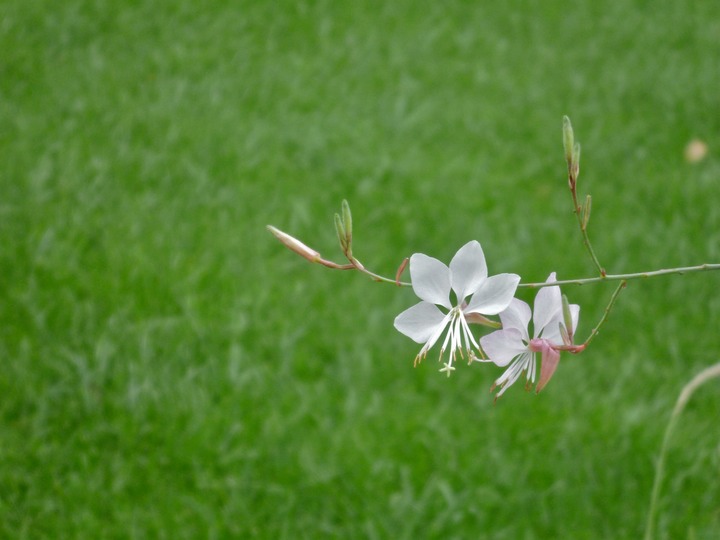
column 549, row 363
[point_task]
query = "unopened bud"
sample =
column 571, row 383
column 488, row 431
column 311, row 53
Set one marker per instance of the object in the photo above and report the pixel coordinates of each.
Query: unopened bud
column 564, row 335
column 568, row 139
column 294, row 244
column 586, row 211
column 575, row 164
column 347, row 220
column 341, row 234
column 476, row 318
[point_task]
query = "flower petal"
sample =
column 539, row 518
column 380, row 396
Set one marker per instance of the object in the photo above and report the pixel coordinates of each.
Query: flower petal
column 548, row 365
column 439, row 329
column 420, row 322
column 502, row 346
column 494, row 295
column 574, row 315
column 468, row 270
column 551, row 333
column 430, row 279
column 523, row 363
column 548, row 306
column 517, row 316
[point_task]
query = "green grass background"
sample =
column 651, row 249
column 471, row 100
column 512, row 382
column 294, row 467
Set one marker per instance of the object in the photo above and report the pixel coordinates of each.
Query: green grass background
column 168, row 370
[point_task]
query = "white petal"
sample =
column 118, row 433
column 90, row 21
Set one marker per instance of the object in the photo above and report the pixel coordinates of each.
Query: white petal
column 494, row 295
column 420, row 322
column 439, row 329
column 502, row 346
column 467, row 270
column 574, row 315
column 551, row 331
column 517, row 316
column 548, row 303
column 430, row 280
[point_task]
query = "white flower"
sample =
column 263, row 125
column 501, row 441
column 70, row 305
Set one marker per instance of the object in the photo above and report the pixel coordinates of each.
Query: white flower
column 512, row 345
column 467, row 277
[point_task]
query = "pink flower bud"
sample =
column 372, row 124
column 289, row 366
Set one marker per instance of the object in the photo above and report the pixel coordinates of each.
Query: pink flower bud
column 294, row 244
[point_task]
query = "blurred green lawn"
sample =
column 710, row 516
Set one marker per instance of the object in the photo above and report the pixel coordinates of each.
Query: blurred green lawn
column 168, row 370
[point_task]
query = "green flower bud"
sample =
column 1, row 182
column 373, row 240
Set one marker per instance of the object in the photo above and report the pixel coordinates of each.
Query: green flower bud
column 347, row 223
column 575, row 164
column 586, row 211
column 564, row 335
column 341, row 234
column 568, row 139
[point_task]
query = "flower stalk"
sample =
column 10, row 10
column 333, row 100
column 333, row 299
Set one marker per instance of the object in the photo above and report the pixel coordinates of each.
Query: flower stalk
column 343, row 228
column 609, row 307
column 628, row 277
column 572, row 158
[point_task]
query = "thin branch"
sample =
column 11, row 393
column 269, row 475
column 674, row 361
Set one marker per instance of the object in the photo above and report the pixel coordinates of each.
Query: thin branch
column 582, row 219
column 625, row 277
column 376, row 277
column 572, row 158
column 610, row 305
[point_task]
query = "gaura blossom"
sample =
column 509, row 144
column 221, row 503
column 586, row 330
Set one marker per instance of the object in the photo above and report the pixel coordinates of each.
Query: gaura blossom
column 512, row 345
column 476, row 295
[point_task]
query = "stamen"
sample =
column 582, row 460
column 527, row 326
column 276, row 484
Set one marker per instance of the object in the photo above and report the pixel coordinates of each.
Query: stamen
column 458, row 338
column 468, row 333
column 447, row 339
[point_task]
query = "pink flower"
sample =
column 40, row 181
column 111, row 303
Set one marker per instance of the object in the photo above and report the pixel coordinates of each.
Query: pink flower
column 513, row 345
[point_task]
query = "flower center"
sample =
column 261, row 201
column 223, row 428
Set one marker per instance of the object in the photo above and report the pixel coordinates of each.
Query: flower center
column 537, row 344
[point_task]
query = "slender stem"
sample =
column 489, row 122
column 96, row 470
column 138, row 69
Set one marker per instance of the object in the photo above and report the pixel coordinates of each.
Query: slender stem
column 625, row 277
column 356, row 265
column 583, row 229
column 575, row 349
column 610, row 305
column 333, row 265
column 376, row 277
column 701, row 378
